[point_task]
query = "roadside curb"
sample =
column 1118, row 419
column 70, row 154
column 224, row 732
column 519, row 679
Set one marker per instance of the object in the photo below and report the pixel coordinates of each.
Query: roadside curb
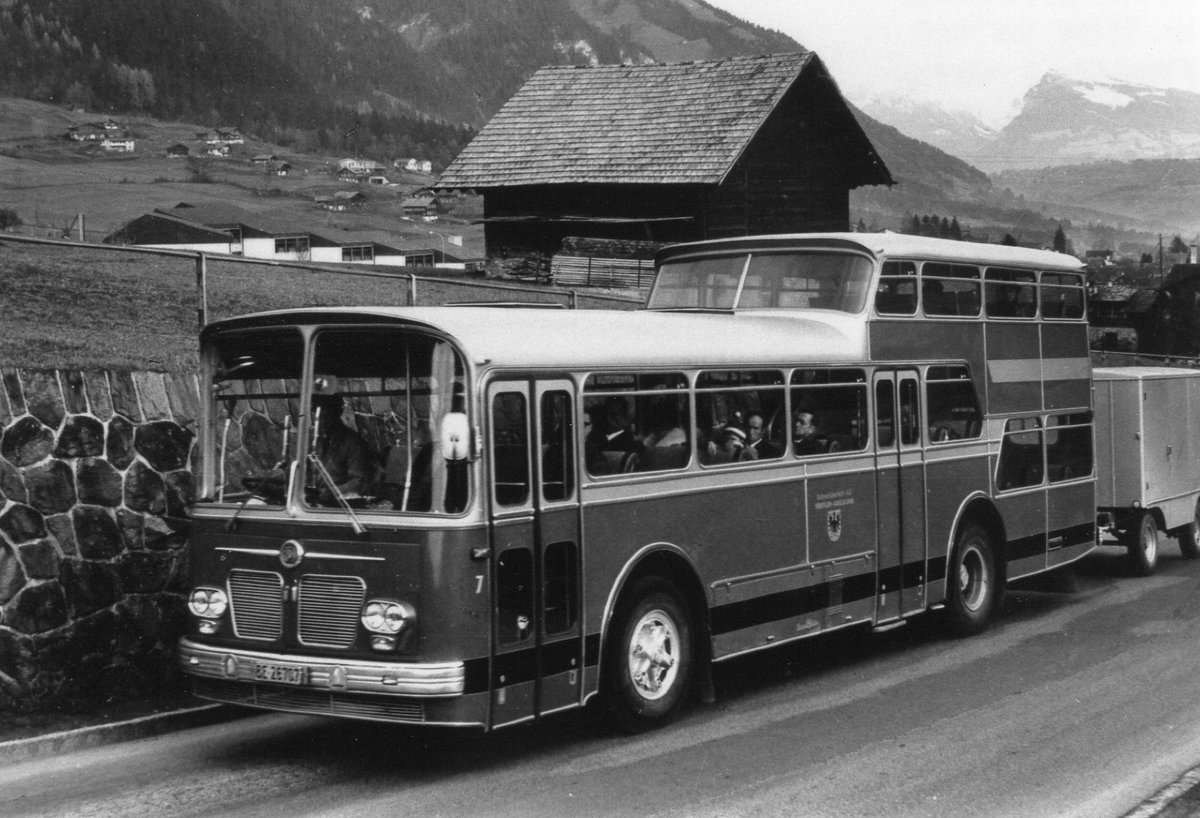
column 1180, row 798
column 67, row 741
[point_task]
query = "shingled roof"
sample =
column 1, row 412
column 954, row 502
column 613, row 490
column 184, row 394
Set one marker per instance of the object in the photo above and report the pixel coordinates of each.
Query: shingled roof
column 680, row 123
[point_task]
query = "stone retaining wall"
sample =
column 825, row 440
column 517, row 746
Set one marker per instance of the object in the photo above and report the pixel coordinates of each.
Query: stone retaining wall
column 94, row 491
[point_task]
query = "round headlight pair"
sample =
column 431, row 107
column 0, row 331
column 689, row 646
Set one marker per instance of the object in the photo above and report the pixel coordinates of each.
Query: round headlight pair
column 385, row 616
column 209, row 603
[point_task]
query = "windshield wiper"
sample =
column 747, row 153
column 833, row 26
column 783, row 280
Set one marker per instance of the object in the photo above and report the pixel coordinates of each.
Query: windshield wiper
column 319, row 467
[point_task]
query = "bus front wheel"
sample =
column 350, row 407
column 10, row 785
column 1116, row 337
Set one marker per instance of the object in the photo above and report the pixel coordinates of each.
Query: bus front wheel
column 650, row 657
column 1141, row 541
column 973, row 583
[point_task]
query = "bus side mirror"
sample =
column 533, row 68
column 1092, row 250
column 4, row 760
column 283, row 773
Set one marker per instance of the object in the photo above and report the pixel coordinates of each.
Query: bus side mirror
column 455, row 436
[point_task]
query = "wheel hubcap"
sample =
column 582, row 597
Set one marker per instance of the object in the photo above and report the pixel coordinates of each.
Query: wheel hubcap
column 653, row 654
column 973, row 578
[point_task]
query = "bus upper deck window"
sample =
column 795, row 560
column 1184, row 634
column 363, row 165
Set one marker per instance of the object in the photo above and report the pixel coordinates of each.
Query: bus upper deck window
column 1062, row 295
column 897, row 292
column 950, row 289
column 1010, row 293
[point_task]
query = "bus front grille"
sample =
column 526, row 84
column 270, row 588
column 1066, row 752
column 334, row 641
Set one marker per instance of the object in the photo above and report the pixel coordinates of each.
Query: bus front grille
column 348, row 705
column 256, row 599
column 330, row 609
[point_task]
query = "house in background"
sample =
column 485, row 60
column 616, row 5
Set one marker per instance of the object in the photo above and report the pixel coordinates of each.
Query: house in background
column 165, row 231
column 418, row 207
column 668, row 153
column 88, row 132
column 178, row 151
column 117, row 144
column 227, row 230
column 413, row 165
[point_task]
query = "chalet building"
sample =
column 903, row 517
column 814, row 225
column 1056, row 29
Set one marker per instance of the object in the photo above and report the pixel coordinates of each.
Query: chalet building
column 178, row 151
column 417, row 207
column 667, row 153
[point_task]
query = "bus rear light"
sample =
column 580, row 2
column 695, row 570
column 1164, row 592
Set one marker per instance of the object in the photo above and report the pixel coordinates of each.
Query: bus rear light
column 208, row 603
column 387, row 617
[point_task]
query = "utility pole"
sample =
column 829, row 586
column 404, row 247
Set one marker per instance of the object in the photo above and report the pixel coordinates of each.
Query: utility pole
column 1160, row 261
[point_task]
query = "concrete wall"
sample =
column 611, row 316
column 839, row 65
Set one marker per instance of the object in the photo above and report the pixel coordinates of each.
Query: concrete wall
column 94, row 491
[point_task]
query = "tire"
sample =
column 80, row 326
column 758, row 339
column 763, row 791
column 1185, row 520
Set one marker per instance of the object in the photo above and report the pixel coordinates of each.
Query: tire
column 1189, row 536
column 974, row 587
column 1141, row 542
column 650, row 657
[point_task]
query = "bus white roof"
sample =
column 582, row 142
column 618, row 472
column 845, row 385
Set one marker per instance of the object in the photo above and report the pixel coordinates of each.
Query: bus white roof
column 612, row 339
column 895, row 245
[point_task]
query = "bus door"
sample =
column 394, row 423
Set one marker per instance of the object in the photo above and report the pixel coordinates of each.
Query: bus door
column 900, row 495
column 537, row 654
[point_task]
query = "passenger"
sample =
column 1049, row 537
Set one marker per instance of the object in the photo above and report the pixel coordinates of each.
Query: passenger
column 806, row 434
column 664, row 427
column 341, row 451
column 610, row 432
column 731, row 449
column 757, row 441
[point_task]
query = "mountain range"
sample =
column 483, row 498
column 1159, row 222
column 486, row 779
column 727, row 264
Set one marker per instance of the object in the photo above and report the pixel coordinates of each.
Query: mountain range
column 1062, row 121
column 419, row 77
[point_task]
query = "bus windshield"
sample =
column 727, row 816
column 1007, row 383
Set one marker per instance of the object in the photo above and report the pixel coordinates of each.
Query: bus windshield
column 386, row 428
column 769, row 280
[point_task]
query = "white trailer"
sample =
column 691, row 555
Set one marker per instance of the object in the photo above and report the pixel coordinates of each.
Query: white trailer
column 1147, row 424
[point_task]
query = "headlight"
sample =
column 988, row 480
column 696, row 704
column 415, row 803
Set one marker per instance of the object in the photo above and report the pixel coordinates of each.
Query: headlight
column 209, row 603
column 385, row 616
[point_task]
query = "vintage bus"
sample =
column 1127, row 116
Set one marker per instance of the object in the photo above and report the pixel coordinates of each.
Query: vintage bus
column 798, row 434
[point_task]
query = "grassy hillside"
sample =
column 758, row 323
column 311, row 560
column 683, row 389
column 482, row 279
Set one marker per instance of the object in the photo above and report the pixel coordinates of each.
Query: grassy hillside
column 50, row 179
column 76, row 308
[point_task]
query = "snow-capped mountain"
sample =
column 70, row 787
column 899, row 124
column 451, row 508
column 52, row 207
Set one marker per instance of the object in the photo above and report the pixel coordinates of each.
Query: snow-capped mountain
column 958, row 133
column 1067, row 121
column 1062, row 121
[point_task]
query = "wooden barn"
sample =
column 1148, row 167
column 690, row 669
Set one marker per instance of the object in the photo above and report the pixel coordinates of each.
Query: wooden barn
column 666, row 153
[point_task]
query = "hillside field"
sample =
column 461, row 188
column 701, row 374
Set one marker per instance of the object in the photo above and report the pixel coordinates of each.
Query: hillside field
column 80, row 308
column 49, row 180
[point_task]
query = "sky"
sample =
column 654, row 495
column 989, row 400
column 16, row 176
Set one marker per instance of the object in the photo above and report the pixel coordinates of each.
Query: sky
column 981, row 56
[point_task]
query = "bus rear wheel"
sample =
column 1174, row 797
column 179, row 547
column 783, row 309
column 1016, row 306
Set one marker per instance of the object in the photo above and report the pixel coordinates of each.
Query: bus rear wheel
column 1141, row 543
column 1189, row 536
column 974, row 585
column 650, row 657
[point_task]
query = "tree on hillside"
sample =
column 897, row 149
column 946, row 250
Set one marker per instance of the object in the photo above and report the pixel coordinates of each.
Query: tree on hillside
column 955, row 229
column 9, row 218
column 1179, row 246
column 1008, row 240
column 1060, row 240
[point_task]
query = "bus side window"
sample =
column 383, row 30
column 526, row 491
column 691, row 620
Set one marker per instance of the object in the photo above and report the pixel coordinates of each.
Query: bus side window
column 510, row 449
column 833, row 404
column 1068, row 447
column 557, row 446
column 1021, row 462
column 953, row 409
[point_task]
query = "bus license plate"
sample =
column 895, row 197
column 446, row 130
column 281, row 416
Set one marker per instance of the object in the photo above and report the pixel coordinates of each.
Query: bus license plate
column 279, row 674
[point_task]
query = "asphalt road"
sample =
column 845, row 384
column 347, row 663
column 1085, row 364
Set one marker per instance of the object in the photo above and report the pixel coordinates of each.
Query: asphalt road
column 1077, row 703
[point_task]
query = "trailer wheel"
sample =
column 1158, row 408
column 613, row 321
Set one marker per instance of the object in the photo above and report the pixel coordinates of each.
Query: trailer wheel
column 1189, row 536
column 973, row 582
column 650, row 656
column 1141, row 541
